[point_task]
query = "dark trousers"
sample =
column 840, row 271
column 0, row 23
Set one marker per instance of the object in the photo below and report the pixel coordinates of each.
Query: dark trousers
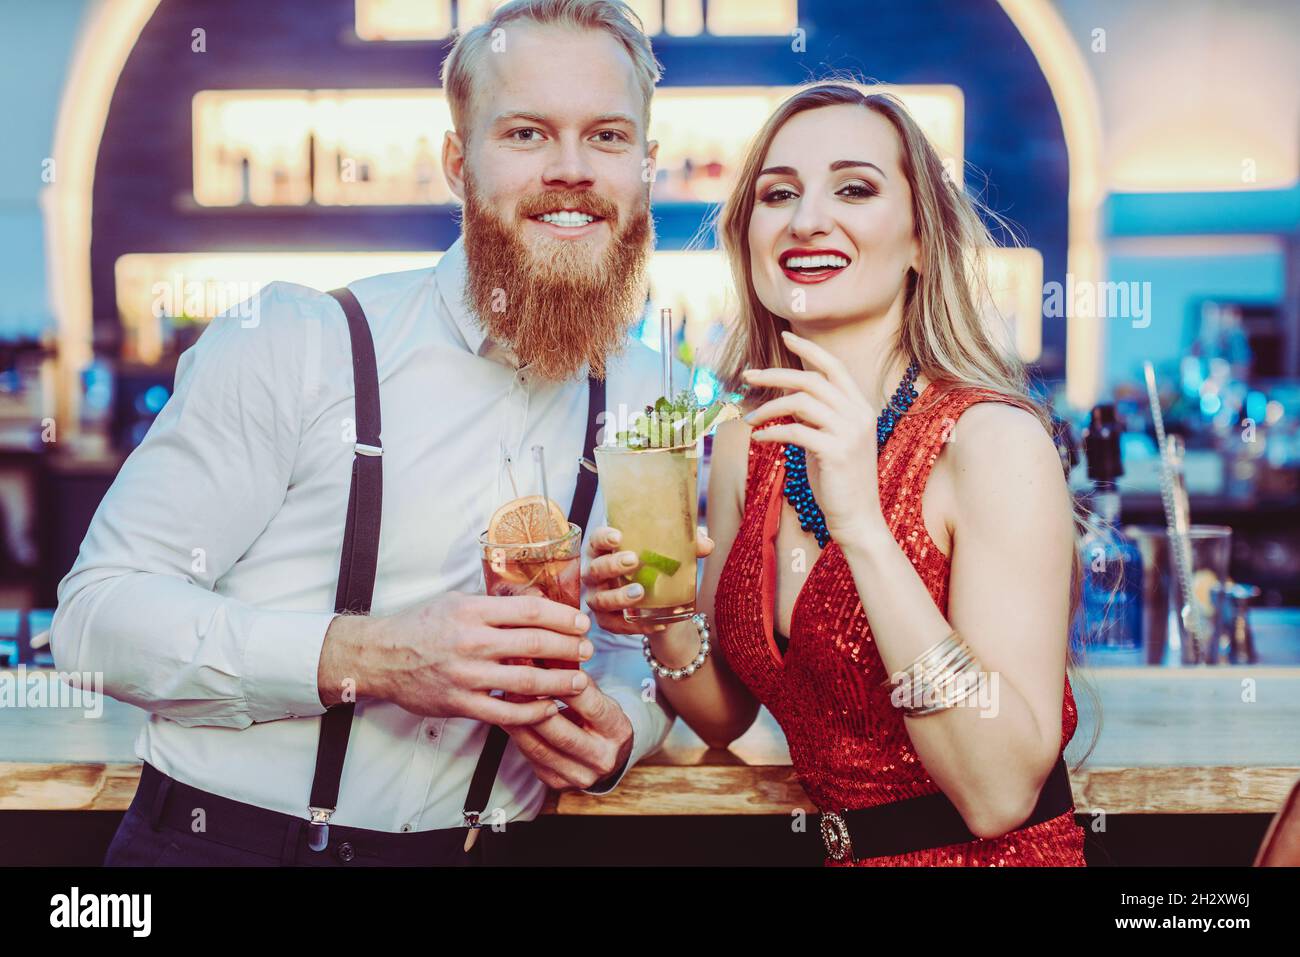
column 170, row 824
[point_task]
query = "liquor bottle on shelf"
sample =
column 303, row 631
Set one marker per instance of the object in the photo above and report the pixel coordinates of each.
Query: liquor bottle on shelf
column 1110, row 617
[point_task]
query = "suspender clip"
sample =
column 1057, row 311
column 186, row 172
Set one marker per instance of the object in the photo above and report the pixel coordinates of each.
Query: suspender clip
column 318, row 831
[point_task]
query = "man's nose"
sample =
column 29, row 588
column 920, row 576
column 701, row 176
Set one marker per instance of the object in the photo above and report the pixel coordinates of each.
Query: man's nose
column 568, row 166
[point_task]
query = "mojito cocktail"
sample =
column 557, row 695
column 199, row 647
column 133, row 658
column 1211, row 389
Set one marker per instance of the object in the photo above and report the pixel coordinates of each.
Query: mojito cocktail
column 651, row 497
column 649, row 474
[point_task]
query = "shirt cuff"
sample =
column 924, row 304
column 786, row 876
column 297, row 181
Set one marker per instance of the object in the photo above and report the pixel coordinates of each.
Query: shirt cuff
column 642, row 742
column 282, row 664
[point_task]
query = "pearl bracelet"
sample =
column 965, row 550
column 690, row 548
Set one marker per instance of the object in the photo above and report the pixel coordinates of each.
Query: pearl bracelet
column 677, row 674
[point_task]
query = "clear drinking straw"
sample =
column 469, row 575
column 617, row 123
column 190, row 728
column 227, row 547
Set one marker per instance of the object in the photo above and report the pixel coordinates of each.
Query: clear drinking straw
column 666, row 347
column 666, row 375
column 539, row 458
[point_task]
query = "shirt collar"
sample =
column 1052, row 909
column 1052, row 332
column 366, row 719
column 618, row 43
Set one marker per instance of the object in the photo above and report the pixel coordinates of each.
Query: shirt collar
column 451, row 276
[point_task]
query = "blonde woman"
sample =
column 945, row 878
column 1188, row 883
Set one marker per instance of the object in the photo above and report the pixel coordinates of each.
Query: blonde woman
column 893, row 502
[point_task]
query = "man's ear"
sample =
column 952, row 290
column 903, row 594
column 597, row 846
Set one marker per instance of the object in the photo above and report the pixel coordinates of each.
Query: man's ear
column 453, row 163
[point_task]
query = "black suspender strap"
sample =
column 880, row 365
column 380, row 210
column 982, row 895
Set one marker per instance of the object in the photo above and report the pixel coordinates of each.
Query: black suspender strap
column 485, row 772
column 360, row 560
column 360, row 557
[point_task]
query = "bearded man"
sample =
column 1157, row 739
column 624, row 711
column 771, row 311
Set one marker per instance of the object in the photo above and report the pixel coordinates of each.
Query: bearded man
column 280, row 589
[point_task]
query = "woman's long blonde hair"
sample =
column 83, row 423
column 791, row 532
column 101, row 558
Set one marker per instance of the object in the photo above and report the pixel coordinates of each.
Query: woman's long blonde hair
column 947, row 309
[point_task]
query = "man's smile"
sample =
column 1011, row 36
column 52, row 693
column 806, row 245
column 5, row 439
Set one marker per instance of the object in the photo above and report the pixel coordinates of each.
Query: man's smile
column 568, row 223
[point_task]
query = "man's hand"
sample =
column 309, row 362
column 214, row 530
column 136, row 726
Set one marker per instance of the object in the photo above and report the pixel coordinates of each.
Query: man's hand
column 567, row 754
column 443, row 658
column 608, row 592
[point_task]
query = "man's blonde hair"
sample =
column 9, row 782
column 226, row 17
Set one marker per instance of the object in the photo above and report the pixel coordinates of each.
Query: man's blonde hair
column 612, row 16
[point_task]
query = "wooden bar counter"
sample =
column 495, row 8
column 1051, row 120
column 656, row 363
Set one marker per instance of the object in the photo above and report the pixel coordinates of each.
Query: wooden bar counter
column 1173, row 740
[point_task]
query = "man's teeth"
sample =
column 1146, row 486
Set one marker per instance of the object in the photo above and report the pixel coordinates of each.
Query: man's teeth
column 816, row 262
column 567, row 218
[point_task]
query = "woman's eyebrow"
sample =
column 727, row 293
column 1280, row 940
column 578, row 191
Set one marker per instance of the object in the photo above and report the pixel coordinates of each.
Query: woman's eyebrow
column 849, row 164
column 835, row 167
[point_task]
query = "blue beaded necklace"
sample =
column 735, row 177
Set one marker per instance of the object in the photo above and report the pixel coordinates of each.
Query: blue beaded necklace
column 799, row 493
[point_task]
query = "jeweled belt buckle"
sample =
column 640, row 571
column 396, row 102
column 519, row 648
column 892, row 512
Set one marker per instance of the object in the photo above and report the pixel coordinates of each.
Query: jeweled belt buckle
column 835, row 835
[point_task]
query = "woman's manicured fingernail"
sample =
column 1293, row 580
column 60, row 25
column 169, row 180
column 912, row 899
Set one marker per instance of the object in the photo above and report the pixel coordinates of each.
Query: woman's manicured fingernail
column 749, row 417
column 586, row 649
column 635, row 591
column 615, row 536
column 581, row 622
column 579, row 681
column 627, row 558
column 553, row 710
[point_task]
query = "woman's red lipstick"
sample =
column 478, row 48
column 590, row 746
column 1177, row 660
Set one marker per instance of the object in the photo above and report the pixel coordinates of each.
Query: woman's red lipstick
column 811, row 274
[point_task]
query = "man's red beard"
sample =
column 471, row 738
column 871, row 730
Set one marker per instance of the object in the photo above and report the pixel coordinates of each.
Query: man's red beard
column 559, row 305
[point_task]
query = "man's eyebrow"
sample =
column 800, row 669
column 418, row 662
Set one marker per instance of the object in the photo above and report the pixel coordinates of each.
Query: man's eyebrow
column 539, row 118
column 520, row 115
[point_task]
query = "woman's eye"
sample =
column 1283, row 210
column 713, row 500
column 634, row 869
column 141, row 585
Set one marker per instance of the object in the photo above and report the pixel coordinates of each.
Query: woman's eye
column 858, row 190
column 778, row 194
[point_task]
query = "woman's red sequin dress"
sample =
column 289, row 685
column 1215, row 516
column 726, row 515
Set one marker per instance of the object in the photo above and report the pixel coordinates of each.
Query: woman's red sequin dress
column 848, row 743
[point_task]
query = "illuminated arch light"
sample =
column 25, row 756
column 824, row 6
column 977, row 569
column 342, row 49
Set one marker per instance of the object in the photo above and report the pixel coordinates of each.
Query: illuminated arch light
column 108, row 34
column 1077, row 104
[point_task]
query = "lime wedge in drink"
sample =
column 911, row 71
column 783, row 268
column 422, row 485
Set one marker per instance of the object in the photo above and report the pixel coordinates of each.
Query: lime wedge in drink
column 652, row 566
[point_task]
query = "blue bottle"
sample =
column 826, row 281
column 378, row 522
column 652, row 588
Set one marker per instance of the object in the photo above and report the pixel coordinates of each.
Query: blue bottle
column 1110, row 614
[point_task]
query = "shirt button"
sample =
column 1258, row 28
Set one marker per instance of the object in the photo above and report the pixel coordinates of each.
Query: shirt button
column 346, row 852
column 406, row 828
column 433, row 732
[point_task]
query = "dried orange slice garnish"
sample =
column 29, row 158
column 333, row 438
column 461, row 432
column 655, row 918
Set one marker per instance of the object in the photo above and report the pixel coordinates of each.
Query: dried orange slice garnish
column 528, row 519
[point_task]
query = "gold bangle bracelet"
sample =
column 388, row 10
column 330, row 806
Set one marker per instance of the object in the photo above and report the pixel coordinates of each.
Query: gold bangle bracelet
column 970, row 679
column 924, row 660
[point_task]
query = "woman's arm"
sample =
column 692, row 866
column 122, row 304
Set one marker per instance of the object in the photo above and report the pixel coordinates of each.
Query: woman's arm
column 1009, row 600
column 713, row 701
column 1009, row 589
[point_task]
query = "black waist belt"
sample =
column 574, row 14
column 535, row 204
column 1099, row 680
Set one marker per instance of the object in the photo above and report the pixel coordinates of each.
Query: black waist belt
column 925, row 822
column 167, row 802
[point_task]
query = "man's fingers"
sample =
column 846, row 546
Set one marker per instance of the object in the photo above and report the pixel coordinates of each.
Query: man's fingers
column 598, row 710
column 509, row 714
column 529, row 680
column 543, row 755
column 608, row 567
column 602, row 540
column 582, row 745
column 522, row 611
column 498, row 644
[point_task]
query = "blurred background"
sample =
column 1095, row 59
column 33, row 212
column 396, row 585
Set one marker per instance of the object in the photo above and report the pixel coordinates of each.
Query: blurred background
column 165, row 158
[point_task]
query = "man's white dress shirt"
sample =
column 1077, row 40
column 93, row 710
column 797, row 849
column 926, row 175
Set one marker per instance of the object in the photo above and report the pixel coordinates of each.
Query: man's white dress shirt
column 206, row 581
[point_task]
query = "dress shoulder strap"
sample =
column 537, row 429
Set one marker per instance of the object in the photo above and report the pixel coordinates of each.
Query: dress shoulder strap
column 919, row 438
